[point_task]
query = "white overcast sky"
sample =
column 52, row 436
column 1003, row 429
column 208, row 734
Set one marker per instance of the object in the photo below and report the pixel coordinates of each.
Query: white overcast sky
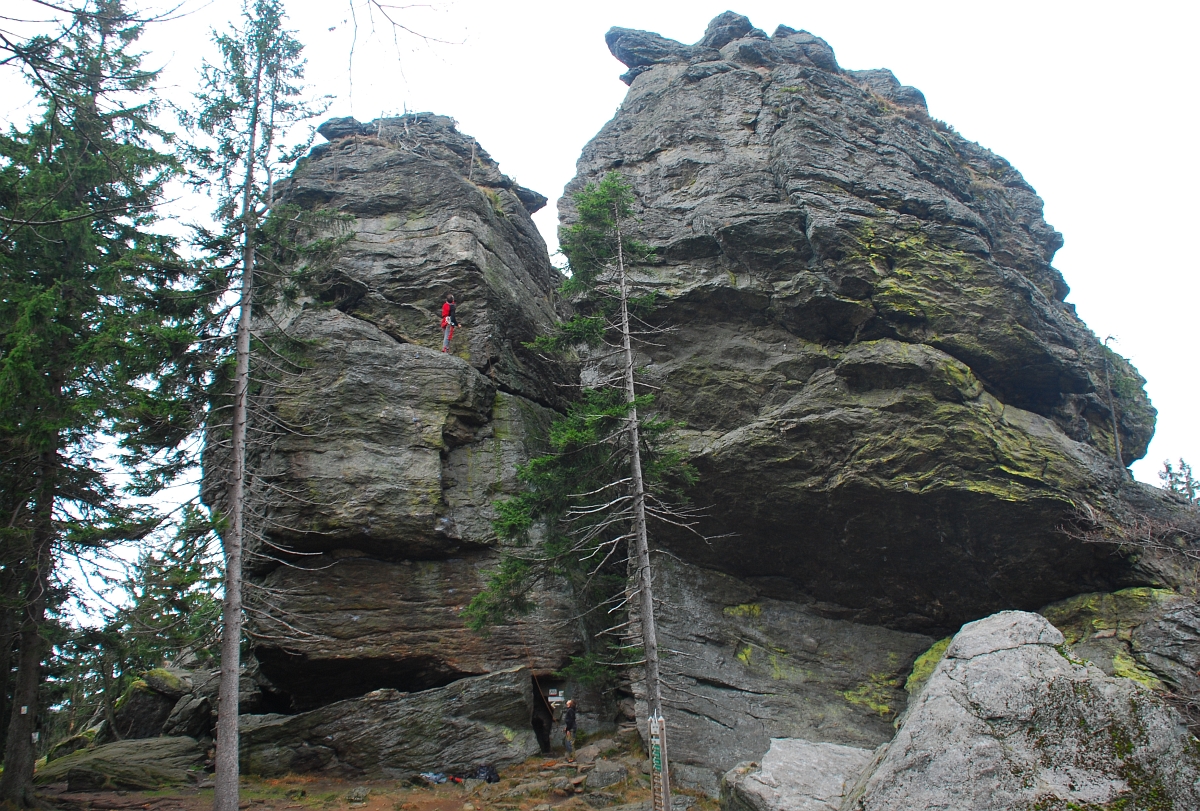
column 1095, row 103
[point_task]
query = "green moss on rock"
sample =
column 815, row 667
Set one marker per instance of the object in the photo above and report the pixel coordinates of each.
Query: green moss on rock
column 925, row 664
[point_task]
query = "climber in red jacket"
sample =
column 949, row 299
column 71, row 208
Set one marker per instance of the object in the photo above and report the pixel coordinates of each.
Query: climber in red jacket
column 449, row 321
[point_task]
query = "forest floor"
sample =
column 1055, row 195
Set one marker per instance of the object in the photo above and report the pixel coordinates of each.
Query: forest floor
column 538, row 784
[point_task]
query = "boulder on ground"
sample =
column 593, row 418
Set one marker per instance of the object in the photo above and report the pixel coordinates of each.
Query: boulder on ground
column 80, row 740
column 595, row 749
column 386, row 733
column 606, row 773
column 146, row 763
column 142, row 711
column 1011, row 718
column 795, row 775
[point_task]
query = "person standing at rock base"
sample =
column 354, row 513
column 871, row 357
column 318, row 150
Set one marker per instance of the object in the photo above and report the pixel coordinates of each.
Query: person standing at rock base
column 568, row 722
column 449, row 321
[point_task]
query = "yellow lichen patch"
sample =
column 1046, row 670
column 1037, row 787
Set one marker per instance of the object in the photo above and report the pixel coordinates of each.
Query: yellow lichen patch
column 1086, row 615
column 1127, row 667
column 875, row 694
column 744, row 611
column 924, row 666
column 744, row 655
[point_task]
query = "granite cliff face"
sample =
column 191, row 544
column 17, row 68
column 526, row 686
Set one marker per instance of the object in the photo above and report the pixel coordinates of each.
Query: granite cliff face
column 882, row 386
column 892, row 409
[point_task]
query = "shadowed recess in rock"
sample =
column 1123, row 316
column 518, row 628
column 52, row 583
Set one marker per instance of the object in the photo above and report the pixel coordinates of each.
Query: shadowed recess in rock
column 313, row 684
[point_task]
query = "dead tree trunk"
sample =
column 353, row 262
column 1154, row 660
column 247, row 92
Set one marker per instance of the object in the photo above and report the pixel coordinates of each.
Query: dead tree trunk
column 642, row 545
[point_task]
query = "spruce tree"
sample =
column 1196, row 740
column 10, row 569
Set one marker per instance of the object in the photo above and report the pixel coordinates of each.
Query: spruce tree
column 249, row 101
column 99, row 323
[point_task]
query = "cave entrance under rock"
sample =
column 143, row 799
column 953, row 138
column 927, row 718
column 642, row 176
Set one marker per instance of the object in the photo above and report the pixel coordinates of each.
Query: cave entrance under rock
column 549, row 695
column 316, row 683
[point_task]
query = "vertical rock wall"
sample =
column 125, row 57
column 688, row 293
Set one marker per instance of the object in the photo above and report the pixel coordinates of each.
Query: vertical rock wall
column 892, row 408
column 379, row 456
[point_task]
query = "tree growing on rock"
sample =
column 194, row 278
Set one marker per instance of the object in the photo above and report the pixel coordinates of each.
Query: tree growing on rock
column 610, row 470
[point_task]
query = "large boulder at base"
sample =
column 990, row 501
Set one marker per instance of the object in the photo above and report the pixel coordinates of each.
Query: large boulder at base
column 146, row 763
column 391, row 734
column 795, row 775
column 1010, row 719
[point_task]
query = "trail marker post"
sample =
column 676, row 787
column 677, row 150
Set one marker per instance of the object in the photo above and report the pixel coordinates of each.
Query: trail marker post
column 660, row 782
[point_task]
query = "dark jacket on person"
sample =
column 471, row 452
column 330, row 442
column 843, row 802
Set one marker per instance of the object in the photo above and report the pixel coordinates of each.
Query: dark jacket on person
column 568, row 719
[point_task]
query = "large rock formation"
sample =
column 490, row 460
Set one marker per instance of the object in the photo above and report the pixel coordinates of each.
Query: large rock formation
column 380, row 455
column 892, row 409
column 889, row 401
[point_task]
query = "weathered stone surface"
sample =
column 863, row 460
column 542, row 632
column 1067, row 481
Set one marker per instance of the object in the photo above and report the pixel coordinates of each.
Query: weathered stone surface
column 387, row 733
column 1146, row 634
column 756, row 660
column 141, row 711
column 397, row 625
column 169, row 682
column 606, row 773
column 147, row 763
column 432, row 214
column 1010, row 719
column 795, row 775
column 379, row 507
column 192, row 716
column 887, row 398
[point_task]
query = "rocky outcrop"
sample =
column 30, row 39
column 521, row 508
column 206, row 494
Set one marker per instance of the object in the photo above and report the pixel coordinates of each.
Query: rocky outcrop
column 1012, row 719
column 887, row 398
column 379, row 458
column 893, row 411
column 146, row 763
column 144, row 708
column 795, row 775
column 386, row 733
column 755, row 660
column 891, row 407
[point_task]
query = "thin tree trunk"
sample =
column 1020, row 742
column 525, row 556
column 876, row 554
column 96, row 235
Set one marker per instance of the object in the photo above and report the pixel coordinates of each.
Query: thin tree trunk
column 110, row 713
column 226, row 793
column 16, row 784
column 1112, row 408
column 8, row 632
column 645, row 579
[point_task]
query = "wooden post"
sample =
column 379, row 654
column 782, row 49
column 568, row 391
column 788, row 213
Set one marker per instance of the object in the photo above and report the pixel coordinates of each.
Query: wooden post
column 660, row 781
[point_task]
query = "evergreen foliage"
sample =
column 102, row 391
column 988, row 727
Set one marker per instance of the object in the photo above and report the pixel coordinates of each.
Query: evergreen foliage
column 100, row 324
column 1181, row 480
column 582, row 516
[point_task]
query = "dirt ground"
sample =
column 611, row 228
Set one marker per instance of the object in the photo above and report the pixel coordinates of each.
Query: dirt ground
column 305, row 792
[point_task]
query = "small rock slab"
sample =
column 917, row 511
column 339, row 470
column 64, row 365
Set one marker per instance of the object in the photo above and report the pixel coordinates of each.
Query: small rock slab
column 795, row 775
column 606, row 773
column 594, row 750
column 139, row 764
